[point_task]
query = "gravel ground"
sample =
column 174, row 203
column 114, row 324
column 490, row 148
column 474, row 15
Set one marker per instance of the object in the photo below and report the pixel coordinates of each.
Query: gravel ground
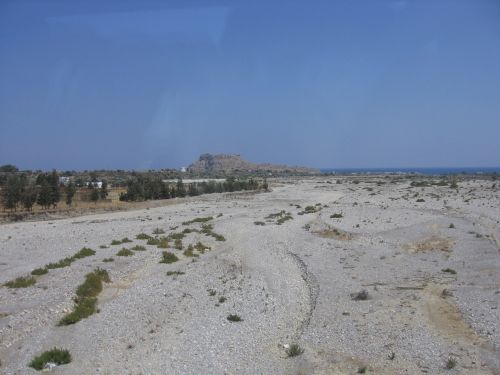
column 289, row 283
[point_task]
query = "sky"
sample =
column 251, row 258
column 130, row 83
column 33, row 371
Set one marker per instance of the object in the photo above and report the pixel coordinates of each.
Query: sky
column 341, row 84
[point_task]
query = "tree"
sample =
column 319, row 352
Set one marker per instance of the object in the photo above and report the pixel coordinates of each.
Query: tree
column 103, row 192
column 192, row 189
column 55, row 192
column 40, row 178
column 229, row 184
column 181, row 190
column 94, row 196
column 28, row 197
column 135, row 190
column 164, row 191
column 8, row 168
column 70, row 193
column 173, row 192
column 44, row 196
column 265, row 186
column 11, row 194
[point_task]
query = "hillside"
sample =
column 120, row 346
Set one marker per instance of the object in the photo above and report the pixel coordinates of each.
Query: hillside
column 234, row 164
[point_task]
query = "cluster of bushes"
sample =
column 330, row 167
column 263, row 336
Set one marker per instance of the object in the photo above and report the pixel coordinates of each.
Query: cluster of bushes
column 144, row 188
column 65, row 262
column 86, row 297
column 443, row 182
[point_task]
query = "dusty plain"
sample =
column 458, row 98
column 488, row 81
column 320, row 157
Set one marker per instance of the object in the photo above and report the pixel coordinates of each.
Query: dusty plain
column 292, row 281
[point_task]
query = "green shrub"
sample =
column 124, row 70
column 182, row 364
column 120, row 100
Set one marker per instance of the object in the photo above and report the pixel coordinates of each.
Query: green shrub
column 222, row 299
column 294, row 350
column 451, row 363
column 84, row 252
column 138, row 248
column 116, row 242
column 125, row 240
column 174, row 273
column 83, row 309
column 207, row 228
column 275, row 215
column 86, row 293
column 40, row 271
column 168, row 257
column 234, row 318
column 55, row 355
column 449, row 270
column 336, row 216
column 198, row 220
column 201, row 247
column 108, row 260
column 91, row 287
column 124, row 252
column 21, row 282
column 360, row 296
column 178, row 244
column 143, row 236
column 259, row 223
column 309, row 210
column 176, row 236
column 218, row 237
column 189, row 252
column 153, row 241
column 158, row 231
column 66, row 262
column 103, row 274
column 283, row 219
column 103, row 246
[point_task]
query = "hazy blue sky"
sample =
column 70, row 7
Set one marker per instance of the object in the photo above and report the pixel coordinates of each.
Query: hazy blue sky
column 151, row 84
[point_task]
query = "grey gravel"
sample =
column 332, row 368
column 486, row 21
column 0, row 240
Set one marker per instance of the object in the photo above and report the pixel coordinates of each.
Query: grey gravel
column 290, row 283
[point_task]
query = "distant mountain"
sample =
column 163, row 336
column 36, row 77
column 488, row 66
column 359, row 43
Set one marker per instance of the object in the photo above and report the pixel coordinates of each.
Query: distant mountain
column 234, row 164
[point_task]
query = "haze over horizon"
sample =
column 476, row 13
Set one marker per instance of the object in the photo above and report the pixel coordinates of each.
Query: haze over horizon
column 150, row 84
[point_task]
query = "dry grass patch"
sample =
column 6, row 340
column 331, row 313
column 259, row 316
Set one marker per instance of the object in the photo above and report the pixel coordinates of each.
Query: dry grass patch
column 335, row 233
column 429, row 244
column 162, row 243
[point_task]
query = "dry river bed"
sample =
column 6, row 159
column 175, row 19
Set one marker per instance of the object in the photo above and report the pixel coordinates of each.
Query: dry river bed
column 425, row 259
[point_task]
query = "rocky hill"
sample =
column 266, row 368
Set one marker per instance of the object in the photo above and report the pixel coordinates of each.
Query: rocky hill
column 234, row 164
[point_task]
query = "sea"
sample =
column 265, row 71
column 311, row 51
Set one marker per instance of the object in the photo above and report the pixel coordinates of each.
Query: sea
column 422, row 171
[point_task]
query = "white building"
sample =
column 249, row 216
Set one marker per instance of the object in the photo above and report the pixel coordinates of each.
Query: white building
column 64, row 180
column 95, row 184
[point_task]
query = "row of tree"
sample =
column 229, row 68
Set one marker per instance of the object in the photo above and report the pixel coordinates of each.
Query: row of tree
column 143, row 188
column 45, row 191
